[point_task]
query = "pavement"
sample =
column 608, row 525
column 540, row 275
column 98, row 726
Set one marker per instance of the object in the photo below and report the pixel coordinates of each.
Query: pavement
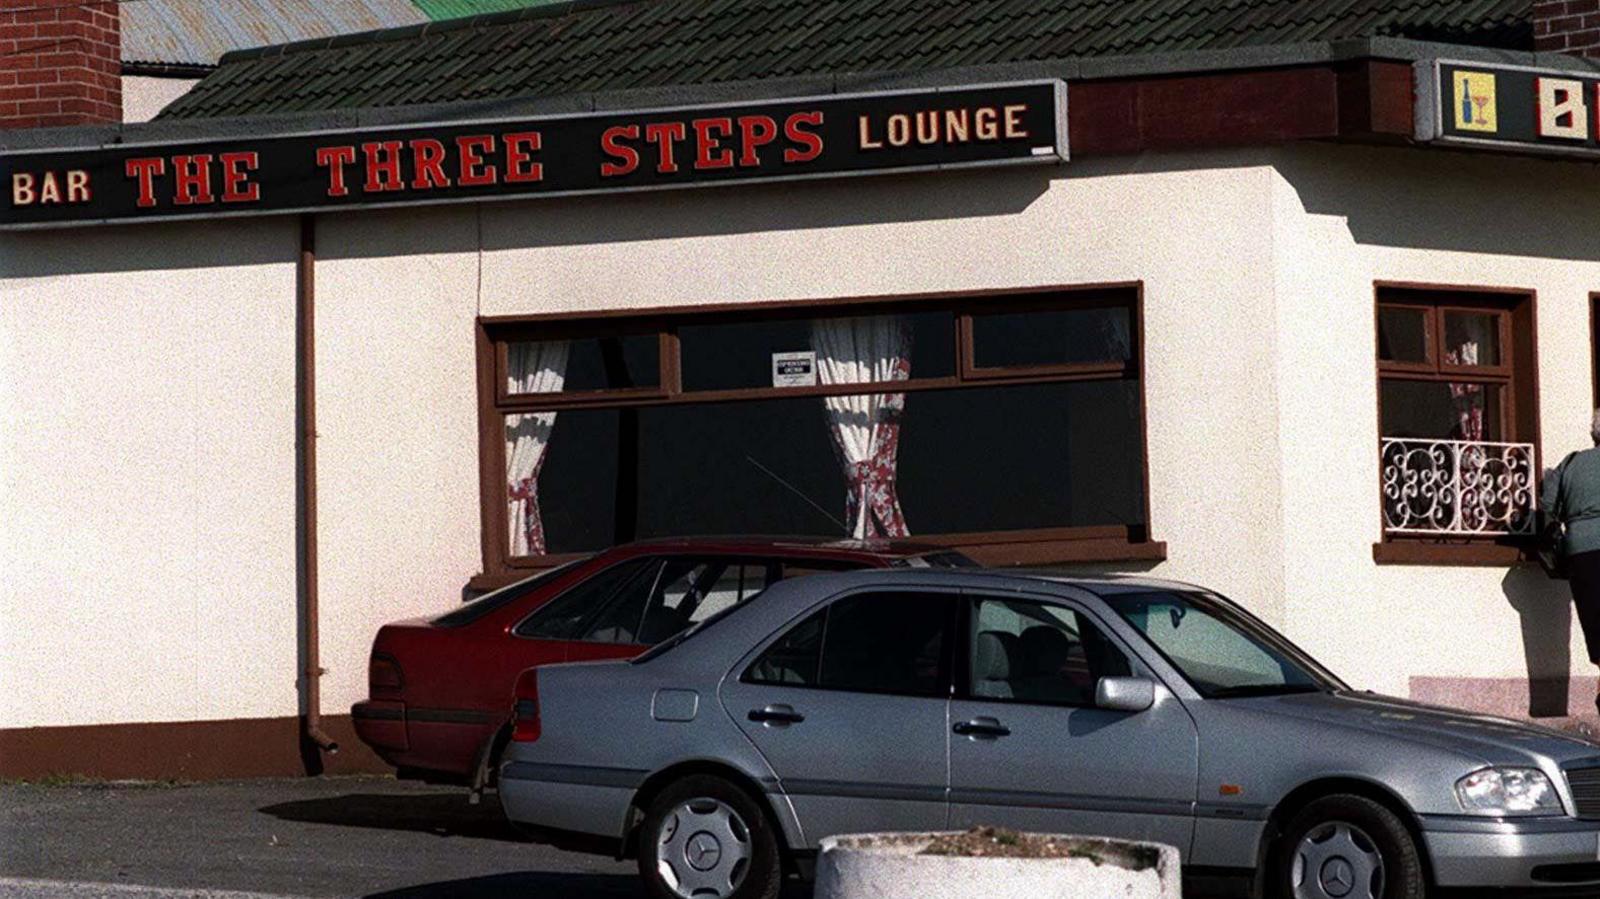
column 371, row 837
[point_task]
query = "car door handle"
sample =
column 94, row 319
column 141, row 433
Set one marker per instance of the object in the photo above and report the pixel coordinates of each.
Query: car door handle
column 776, row 714
column 981, row 727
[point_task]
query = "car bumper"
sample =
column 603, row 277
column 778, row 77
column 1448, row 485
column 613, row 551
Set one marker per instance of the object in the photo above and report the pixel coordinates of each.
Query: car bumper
column 568, row 798
column 1555, row 852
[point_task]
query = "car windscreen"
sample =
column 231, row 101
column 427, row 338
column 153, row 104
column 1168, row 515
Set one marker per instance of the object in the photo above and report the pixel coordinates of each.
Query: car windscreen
column 1222, row 652
column 498, row 599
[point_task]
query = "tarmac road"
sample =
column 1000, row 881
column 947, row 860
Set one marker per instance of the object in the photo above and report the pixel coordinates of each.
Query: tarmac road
column 313, row 837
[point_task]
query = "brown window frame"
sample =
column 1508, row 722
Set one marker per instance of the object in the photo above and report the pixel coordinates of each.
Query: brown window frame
column 1032, row 546
column 1517, row 373
column 1594, row 346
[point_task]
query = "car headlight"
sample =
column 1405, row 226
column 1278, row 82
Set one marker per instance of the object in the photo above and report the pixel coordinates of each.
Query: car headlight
column 1508, row 791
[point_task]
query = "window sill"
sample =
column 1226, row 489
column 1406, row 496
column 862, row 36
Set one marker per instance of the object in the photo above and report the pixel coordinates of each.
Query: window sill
column 1481, row 553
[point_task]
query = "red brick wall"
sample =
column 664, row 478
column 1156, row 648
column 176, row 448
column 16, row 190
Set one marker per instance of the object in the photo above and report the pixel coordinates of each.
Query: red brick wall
column 60, row 63
column 1567, row 26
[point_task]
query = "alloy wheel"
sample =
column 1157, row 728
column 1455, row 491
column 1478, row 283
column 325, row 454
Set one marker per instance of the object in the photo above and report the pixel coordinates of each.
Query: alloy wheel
column 1337, row 860
column 703, row 849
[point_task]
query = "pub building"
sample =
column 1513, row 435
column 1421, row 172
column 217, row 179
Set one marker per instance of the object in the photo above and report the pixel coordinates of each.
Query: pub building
column 1295, row 301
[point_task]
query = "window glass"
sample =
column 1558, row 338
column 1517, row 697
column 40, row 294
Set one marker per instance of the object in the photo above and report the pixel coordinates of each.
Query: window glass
column 1054, row 337
column 591, row 363
column 886, row 643
column 563, row 617
column 1402, row 334
column 621, row 619
column 1437, row 410
column 1471, row 338
column 1219, row 652
column 690, row 591
column 961, row 465
column 793, row 660
column 1034, row 652
column 740, row 354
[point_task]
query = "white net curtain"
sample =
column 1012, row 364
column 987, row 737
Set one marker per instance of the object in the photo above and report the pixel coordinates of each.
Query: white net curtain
column 866, row 426
column 535, row 367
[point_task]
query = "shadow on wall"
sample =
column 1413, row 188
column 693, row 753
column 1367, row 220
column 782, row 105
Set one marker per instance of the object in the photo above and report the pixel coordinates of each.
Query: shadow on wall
column 1544, row 611
column 1449, row 200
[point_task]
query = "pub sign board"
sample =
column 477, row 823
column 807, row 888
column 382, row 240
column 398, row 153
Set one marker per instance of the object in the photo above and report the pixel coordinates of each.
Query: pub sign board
column 829, row 136
column 1508, row 107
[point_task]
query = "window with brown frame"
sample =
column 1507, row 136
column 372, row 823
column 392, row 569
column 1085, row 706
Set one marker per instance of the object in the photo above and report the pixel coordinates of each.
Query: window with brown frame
column 1456, row 410
column 1594, row 344
column 1009, row 425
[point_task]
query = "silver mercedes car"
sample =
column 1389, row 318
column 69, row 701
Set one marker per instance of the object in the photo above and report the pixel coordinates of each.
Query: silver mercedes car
column 937, row 700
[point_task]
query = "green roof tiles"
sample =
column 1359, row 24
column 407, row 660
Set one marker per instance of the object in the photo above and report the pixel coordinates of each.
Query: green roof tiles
column 595, row 45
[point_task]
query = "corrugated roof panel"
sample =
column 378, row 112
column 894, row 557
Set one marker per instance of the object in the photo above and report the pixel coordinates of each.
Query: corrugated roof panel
column 198, row 32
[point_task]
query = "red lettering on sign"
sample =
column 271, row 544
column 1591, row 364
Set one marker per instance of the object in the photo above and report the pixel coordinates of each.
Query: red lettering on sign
column 192, row 180
column 146, row 169
column 427, row 157
column 474, row 171
column 809, row 141
column 520, row 148
column 236, row 186
column 383, row 166
column 708, row 150
column 664, row 135
column 336, row 158
column 755, row 132
column 611, row 145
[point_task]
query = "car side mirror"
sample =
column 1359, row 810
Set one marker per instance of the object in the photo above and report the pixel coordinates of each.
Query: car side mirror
column 1125, row 694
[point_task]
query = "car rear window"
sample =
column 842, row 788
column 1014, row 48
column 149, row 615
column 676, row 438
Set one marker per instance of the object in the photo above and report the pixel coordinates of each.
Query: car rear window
column 499, row 599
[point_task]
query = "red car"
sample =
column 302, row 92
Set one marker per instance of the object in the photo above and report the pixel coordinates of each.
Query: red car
column 440, row 688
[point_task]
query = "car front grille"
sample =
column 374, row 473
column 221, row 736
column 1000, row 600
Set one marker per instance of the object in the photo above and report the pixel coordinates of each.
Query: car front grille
column 1585, row 784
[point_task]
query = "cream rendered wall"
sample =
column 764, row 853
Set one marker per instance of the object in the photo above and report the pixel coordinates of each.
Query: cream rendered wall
column 147, row 506
column 143, row 96
column 397, row 419
column 1344, row 218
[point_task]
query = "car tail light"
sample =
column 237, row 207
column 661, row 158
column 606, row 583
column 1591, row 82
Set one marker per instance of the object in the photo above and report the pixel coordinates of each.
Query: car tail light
column 383, row 673
column 525, row 713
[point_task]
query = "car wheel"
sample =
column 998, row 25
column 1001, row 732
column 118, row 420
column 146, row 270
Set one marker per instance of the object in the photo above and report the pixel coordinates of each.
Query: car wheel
column 704, row 838
column 1346, row 847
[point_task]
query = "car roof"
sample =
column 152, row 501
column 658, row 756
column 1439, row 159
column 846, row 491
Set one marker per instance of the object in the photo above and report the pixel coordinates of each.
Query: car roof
column 802, row 547
column 1014, row 578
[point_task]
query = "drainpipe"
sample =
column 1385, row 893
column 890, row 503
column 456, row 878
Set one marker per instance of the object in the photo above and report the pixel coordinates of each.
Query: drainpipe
column 313, row 741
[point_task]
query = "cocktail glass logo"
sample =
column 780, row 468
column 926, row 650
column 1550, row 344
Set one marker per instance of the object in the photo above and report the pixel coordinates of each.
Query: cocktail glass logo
column 1474, row 101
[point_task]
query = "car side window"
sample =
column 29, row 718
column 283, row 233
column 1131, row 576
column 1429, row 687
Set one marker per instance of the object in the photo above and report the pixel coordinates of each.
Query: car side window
column 793, row 660
column 691, row 590
column 868, row 643
column 564, row 617
column 1039, row 653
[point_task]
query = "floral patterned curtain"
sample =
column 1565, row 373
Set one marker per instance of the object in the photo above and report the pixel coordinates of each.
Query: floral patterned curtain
column 538, row 367
column 1469, row 399
column 866, row 427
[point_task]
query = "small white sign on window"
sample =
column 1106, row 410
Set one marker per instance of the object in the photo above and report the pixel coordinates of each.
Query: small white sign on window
column 797, row 369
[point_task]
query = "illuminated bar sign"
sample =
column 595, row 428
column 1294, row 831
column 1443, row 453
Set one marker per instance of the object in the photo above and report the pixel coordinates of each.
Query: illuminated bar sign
column 841, row 134
column 1508, row 107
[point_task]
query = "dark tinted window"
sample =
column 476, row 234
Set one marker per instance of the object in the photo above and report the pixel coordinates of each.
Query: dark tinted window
column 594, row 363
column 1055, row 337
column 886, row 643
column 499, row 599
column 793, row 660
column 770, row 466
column 1402, row 334
column 563, row 618
column 739, row 355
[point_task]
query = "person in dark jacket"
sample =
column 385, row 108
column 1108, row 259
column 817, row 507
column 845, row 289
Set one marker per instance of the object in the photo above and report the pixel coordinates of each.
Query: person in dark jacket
column 1572, row 495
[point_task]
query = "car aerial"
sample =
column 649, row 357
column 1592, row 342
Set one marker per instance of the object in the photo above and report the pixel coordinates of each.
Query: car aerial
column 440, row 687
column 1129, row 708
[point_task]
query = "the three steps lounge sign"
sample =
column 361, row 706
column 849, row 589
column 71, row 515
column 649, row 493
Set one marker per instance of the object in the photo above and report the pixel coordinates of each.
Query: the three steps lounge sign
column 1508, row 107
column 595, row 152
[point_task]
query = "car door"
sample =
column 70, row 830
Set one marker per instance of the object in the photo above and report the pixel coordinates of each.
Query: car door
column 1028, row 747
column 849, row 706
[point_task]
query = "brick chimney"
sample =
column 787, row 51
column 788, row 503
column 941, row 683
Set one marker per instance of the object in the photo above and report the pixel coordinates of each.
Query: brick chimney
column 60, row 63
column 1567, row 26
